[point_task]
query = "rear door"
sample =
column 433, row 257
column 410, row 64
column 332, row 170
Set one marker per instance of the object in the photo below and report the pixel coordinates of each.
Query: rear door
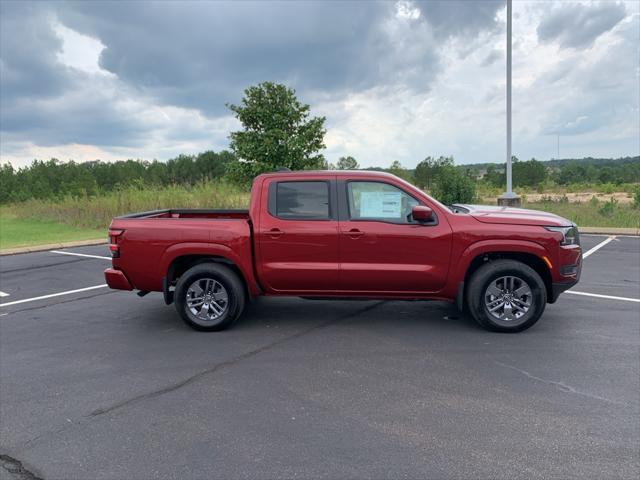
column 298, row 235
column 382, row 249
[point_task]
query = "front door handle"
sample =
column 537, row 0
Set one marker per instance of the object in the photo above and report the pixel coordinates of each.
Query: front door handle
column 275, row 233
column 355, row 233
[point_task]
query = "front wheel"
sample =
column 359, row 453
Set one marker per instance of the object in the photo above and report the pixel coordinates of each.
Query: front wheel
column 506, row 296
column 209, row 297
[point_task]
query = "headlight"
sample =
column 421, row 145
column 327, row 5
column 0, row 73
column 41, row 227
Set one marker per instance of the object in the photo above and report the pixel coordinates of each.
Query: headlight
column 570, row 235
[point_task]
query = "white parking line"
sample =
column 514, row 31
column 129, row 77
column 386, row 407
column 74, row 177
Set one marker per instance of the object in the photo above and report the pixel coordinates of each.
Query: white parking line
column 80, row 254
column 609, row 297
column 598, row 247
column 3, row 294
column 68, row 292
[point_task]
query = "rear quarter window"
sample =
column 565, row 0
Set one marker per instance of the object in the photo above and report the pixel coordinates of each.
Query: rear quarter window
column 306, row 200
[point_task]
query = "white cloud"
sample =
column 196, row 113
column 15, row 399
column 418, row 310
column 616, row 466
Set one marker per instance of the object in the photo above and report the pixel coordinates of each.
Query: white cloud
column 79, row 51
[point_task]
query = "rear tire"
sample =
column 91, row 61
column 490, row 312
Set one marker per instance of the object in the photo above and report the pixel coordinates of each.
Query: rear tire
column 506, row 296
column 209, row 297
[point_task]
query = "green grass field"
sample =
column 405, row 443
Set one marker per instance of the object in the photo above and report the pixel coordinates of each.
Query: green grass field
column 592, row 214
column 40, row 222
column 23, row 232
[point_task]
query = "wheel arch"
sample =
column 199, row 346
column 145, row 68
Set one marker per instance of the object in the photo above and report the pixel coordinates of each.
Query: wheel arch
column 529, row 259
column 179, row 259
column 529, row 253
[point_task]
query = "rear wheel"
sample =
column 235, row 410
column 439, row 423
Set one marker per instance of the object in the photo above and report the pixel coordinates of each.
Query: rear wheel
column 506, row 296
column 209, row 297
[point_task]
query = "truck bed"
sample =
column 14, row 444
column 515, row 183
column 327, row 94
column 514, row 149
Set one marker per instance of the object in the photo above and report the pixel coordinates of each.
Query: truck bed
column 151, row 241
column 190, row 213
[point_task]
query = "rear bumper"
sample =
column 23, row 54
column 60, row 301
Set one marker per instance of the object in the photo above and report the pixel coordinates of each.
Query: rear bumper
column 116, row 279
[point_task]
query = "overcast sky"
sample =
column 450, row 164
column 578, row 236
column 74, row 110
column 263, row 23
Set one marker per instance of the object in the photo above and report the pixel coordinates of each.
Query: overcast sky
column 396, row 80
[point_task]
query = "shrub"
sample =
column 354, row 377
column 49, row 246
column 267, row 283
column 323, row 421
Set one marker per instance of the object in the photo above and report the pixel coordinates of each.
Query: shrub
column 636, row 198
column 453, row 186
column 608, row 208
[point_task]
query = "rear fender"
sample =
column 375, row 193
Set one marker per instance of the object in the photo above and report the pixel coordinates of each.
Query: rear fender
column 243, row 263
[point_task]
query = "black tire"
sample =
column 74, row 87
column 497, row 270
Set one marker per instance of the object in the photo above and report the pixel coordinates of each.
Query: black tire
column 493, row 274
column 231, row 285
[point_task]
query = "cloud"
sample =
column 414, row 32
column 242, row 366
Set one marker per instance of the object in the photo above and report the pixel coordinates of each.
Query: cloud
column 579, row 25
column 493, row 57
column 461, row 17
column 198, row 54
column 397, row 81
column 28, row 65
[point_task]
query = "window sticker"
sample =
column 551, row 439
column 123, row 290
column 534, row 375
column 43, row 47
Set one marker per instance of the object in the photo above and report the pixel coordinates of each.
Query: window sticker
column 380, row 204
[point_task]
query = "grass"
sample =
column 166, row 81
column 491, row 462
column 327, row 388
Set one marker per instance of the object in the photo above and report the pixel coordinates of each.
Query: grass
column 39, row 222
column 97, row 212
column 21, row 232
column 592, row 213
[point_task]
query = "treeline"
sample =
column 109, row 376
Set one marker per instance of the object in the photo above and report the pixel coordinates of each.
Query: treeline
column 54, row 179
column 439, row 176
column 533, row 173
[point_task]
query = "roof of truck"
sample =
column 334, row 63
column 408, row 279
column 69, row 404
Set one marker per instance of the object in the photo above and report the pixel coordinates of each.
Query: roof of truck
column 339, row 173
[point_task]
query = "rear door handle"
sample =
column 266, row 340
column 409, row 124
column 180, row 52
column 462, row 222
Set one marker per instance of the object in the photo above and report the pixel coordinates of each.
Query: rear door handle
column 275, row 233
column 354, row 233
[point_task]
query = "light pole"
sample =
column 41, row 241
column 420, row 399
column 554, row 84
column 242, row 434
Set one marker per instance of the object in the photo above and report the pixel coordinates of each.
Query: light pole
column 509, row 198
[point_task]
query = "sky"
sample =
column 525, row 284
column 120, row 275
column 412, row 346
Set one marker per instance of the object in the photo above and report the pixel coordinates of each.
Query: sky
column 395, row 80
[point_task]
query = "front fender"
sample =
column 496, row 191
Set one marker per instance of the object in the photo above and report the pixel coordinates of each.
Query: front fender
column 491, row 246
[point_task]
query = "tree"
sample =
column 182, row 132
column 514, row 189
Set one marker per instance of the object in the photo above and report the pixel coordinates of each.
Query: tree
column 530, row 173
column 277, row 132
column 453, row 186
column 347, row 163
column 427, row 170
column 398, row 170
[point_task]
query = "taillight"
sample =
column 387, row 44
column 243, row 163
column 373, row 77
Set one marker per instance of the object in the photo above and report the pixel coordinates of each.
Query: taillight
column 114, row 240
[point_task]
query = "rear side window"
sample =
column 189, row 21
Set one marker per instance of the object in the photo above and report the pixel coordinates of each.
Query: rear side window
column 302, row 200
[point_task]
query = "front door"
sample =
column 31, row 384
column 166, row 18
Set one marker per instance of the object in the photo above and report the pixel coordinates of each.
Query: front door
column 298, row 236
column 382, row 249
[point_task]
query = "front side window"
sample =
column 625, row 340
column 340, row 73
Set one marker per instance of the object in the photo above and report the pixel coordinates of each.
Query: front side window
column 379, row 201
column 302, row 200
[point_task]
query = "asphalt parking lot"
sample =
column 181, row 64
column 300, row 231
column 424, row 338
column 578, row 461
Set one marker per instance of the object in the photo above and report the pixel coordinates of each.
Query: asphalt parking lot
column 104, row 384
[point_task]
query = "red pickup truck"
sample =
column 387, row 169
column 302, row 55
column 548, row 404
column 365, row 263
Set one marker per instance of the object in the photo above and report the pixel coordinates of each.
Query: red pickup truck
column 347, row 234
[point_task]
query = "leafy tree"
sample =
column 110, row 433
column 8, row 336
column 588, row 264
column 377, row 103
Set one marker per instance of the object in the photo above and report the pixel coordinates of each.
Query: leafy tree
column 278, row 132
column 453, row 186
column 398, row 170
column 347, row 163
column 530, row 173
column 495, row 177
column 427, row 170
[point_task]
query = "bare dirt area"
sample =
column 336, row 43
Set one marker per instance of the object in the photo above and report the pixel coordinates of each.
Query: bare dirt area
column 580, row 197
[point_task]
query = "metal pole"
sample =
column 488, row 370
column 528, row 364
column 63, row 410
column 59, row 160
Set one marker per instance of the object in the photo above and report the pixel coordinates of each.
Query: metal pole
column 509, row 179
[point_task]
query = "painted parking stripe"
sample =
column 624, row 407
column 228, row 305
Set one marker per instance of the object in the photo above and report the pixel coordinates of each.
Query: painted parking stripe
column 80, row 254
column 42, row 297
column 3, row 294
column 598, row 247
column 609, row 297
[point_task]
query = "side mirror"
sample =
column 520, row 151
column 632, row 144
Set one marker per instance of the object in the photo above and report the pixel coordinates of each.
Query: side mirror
column 420, row 213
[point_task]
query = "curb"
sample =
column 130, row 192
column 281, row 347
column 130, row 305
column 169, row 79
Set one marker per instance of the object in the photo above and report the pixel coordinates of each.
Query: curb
column 51, row 246
column 610, row 230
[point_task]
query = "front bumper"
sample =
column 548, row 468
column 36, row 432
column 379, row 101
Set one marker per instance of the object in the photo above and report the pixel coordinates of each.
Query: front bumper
column 116, row 279
column 559, row 287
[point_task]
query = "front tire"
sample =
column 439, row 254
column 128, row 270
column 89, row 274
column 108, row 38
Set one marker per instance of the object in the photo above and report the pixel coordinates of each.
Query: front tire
column 506, row 296
column 209, row 297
